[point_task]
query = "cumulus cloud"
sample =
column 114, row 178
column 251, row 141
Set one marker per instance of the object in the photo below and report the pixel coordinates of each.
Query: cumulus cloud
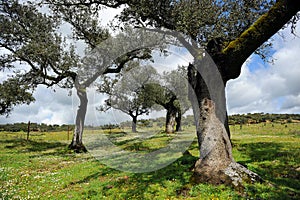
column 50, row 107
column 108, row 14
column 261, row 87
column 273, row 88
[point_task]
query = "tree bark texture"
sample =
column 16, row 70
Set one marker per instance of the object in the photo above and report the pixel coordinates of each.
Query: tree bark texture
column 216, row 164
column 170, row 118
column 236, row 52
column 134, row 122
column 178, row 121
column 76, row 143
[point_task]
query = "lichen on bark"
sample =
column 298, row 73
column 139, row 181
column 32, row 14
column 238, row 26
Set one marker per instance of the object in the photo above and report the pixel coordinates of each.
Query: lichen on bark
column 216, row 164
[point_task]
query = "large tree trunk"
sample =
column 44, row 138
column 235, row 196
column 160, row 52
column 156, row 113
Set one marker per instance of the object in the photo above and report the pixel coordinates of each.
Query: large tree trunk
column 134, row 122
column 170, row 118
column 207, row 94
column 178, row 121
column 216, row 164
column 76, row 143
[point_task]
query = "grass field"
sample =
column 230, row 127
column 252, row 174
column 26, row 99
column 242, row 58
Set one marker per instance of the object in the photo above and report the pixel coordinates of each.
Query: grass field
column 43, row 168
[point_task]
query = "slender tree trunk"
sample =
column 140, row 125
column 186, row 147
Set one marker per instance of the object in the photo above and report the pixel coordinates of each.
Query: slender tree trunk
column 134, row 122
column 76, row 143
column 170, row 118
column 216, row 164
column 178, row 121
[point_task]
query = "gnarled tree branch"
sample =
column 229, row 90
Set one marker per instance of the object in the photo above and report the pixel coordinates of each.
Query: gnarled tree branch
column 237, row 51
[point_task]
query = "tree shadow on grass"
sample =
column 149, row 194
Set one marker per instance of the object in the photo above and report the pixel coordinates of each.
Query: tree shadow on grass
column 179, row 171
column 136, row 185
column 276, row 164
column 105, row 171
column 31, row 146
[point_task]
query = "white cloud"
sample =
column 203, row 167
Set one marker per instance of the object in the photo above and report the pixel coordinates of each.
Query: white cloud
column 268, row 88
column 108, row 14
column 57, row 107
column 272, row 88
column 50, row 107
column 177, row 56
column 291, row 102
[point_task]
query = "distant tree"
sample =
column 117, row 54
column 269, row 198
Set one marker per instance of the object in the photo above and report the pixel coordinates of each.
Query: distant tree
column 171, row 92
column 145, row 123
column 176, row 81
column 29, row 38
column 125, row 93
column 126, row 124
column 230, row 31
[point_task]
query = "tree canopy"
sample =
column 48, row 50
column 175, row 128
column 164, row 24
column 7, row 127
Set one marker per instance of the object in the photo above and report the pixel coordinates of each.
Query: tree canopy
column 171, row 93
column 31, row 38
column 223, row 28
column 12, row 94
column 125, row 94
column 32, row 49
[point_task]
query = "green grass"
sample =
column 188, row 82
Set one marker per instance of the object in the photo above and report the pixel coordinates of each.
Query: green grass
column 43, row 168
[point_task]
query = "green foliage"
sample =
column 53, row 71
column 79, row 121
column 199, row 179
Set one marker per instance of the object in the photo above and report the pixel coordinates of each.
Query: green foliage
column 263, row 117
column 202, row 20
column 172, row 88
column 145, row 123
column 12, row 94
column 32, row 48
column 108, row 126
column 35, row 127
column 186, row 121
column 125, row 93
column 29, row 38
column 84, row 21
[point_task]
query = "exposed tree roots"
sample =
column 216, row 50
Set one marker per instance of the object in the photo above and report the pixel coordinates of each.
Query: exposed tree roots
column 78, row 148
column 235, row 175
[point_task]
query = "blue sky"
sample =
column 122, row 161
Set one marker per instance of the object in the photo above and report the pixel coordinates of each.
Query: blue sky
column 269, row 88
column 261, row 87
